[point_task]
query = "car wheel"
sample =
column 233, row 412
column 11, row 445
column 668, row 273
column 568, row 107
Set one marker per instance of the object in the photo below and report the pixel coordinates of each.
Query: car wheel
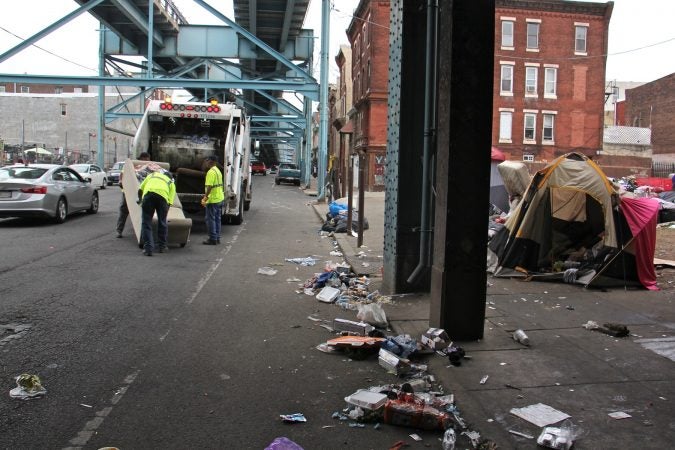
column 297, row 183
column 61, row 211
column 105, row 182
column 93, row 208
column 110, row 183
column 239, row 218
column 277, row 182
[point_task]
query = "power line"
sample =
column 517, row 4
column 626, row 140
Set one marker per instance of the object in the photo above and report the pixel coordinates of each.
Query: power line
column 47, row 51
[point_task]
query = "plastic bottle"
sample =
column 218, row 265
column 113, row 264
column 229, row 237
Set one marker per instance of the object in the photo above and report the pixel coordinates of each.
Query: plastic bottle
column 520, row 336
column 449, row 439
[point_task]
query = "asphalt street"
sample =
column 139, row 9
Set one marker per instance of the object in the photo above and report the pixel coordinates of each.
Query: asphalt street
column 188, row 349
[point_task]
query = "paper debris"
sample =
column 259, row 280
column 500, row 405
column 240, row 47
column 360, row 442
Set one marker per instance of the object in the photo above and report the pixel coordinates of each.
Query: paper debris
column 540, row 414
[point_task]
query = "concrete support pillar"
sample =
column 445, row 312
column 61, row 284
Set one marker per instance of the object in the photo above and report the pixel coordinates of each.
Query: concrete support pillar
column 458, row 277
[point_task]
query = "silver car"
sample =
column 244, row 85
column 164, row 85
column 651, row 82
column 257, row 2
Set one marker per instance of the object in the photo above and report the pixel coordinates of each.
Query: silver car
column 44, row 190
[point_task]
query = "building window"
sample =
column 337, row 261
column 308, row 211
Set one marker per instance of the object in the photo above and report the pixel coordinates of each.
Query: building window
column 2, row 89
column 531, row 81
column 507, row 33
column 63, row 109
column 365, row 27
column 532, row 36
column 528, row 158
column 77, row 90
column 530, row 125
column 547, row 135
column 505, row 123
column 580, row 39
column 506, row 85
column 58, row 90
column 368, row 73
column 25, row 89
column 550, row 80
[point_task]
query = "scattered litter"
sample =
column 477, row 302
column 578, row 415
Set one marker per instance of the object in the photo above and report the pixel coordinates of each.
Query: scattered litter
column 366, row 399
column 327, row 348
column 283, row 443
column 397, row 445
column 308, row 261
column 328, row 426
column 520, row 336
column 335, row 253
column 356, row 425
column 559, row 438
column 308, row 291
column 539, row 414
column 314, row 319
column 416, row 437
column 86, row 406
column 267, row 271
column 328, row 294
column 373, row 314
column 449, row 439
column 518, row 433
column 484, row 379
column 293, row 418
column 293, row 280
column 436, row 339
column 570, row 307
column 28, row 386
column 359, row 328
column 612, row 329
column 474, row 437
column 619, row 415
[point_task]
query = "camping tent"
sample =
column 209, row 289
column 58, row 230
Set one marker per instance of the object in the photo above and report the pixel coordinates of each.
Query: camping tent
column 498, row 195
column 572, row 225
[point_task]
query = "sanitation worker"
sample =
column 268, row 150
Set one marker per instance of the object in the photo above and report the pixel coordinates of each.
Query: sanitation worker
column 124, row 211
column 157, row 193
column 214, row 195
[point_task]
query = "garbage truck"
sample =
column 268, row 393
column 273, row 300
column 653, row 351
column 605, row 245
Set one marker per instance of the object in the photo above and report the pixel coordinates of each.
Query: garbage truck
column 183, row 134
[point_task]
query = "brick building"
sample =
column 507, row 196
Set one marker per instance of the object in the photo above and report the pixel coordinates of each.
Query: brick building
column 340, row 122
column 369, row 38
column 549, row 77
column 652, row 105
column 25, row 88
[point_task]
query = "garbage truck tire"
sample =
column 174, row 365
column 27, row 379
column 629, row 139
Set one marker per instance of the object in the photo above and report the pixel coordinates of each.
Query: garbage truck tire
column 239, row 218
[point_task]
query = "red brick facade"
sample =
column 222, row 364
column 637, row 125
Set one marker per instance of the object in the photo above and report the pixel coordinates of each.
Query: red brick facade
column 26, row 88
column 652, row 105
column 549, row 74
column 370, row 74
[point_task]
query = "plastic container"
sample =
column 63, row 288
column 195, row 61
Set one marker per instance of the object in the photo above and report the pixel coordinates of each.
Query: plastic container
column 360, row 328
column 449, row 439
column 367, row 399
column 328, row 294
column 520, row 336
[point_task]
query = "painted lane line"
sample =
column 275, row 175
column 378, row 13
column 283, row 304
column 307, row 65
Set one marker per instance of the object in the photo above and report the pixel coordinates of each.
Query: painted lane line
column 92, row 425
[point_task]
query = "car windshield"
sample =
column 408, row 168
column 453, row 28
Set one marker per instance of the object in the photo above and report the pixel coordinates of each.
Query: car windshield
column 80, row 167
column 288, row 166
column 21, row 173
column 117, row 166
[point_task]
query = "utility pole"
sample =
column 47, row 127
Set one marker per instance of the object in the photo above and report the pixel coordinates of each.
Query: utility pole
column 323, row 115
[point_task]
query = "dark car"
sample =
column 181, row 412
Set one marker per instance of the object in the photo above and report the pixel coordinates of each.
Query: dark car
column 258, row 167
column 45, row 190
column 288, row 173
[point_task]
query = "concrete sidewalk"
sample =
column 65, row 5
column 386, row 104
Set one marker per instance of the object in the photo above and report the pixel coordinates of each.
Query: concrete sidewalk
column 585, row 374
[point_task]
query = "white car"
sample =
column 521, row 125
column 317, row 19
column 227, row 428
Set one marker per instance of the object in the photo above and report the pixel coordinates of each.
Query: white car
column 91, row 172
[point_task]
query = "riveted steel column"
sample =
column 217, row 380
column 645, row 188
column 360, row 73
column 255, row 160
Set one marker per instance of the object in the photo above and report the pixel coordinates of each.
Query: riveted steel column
column 323, row 103
column 458, row 276
column 100, row 156
column 405, row 136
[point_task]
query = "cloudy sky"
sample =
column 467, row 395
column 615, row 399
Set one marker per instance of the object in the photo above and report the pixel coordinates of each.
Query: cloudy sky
column 641, row 36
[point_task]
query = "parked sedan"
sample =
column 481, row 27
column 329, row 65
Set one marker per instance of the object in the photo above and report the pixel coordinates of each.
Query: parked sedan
column 258, row 167
column 45, row 190
column 92, row 173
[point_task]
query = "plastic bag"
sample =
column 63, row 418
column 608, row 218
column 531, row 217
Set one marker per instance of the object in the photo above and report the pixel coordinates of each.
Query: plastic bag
column 373, row 314
column 283, row 443
column 559, row 438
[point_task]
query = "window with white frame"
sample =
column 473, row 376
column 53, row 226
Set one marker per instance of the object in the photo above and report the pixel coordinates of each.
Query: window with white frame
column 550, row 81
column 547, row 134
column 58, row 90
column 2, row 89
column 528, row 157
column 529, row 132
column 532, row 35
column 531, row 81
column 507, row 33
column 77, row 90
column 25, row 89
column 506, row 84
column 505, row 125
column 63, row 109
column 580, row 34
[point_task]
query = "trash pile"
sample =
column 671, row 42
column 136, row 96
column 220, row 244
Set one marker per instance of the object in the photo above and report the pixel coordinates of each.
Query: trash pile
column 415, row 400
column 28, row 386
column 336, row 219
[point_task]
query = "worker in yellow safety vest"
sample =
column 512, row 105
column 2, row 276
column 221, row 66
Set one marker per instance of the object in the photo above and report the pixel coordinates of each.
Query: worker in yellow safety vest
column 214, row 195
column 156, row 193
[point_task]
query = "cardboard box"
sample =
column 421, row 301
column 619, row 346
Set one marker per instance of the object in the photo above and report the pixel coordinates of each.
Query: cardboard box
column 360, row 328
column 436, row 339
column 393, row 363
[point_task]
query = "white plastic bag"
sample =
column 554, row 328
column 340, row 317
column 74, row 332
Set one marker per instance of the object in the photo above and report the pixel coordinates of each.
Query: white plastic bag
column 373, row 314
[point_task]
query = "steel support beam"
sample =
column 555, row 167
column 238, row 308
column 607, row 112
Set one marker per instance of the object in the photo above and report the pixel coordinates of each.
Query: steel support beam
column 323, row 102
column 45, row 31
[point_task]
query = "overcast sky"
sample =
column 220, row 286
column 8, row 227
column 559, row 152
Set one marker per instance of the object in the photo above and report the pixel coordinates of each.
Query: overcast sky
column 641, row 36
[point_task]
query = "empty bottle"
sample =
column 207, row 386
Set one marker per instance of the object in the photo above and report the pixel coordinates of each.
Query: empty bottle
column 449, row 439
column 520, row 336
